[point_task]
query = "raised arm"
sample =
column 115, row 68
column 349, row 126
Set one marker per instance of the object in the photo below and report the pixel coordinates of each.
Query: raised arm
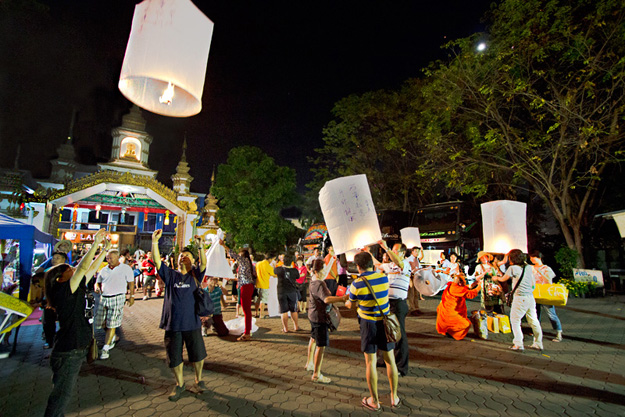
column 156, row 253
column 85, row 262
column 95, row 265
column 201, row 252
column 394, row 258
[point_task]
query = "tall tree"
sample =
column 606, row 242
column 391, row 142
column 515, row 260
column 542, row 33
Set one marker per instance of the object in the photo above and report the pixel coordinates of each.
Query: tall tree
column 252, row 190
column 379, row 134
column 543, row 103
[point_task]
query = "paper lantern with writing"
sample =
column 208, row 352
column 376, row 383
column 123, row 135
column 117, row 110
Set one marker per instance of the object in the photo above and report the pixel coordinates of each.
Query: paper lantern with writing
column 504, row 226
column 349, row 213
column 411, row 237
column 165, row 63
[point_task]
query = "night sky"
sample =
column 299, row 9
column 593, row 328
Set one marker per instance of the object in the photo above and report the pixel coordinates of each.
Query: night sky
column 275, row 70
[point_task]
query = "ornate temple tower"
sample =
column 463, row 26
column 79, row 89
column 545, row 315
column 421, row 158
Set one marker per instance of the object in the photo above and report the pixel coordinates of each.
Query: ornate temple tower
column 131, row 146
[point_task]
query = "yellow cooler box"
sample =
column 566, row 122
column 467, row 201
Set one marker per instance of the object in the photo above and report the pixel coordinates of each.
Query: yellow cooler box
column 551, row 294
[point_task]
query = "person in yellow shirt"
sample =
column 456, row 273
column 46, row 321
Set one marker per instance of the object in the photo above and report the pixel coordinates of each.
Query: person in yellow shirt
column 264, row 271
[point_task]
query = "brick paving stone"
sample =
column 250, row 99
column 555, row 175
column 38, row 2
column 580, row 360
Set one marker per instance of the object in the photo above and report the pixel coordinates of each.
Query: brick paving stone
column 146, row 412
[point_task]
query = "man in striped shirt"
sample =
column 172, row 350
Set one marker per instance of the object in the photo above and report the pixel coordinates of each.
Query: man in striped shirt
column 372, row 334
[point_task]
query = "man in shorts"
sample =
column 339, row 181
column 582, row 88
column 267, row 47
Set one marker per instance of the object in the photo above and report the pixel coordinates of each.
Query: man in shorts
column 288, row 294
column 112, row 283
column 181, row 324
column 372, row 334
column 149, row 275
column 264, row 271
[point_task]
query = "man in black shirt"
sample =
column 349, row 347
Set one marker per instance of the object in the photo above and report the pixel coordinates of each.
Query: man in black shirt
column 66, row 291
column 288, row 294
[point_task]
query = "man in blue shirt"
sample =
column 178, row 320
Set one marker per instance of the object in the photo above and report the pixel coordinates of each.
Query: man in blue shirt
column 178, row 319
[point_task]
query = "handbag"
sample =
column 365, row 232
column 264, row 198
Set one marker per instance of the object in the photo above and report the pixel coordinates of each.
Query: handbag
column 510, row 295
column 203, row 302
column 391, row 323
column 92, row 353
column 333, row 317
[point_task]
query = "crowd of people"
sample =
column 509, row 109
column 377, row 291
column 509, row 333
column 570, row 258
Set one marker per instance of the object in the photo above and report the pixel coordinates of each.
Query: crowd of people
column 381, row 283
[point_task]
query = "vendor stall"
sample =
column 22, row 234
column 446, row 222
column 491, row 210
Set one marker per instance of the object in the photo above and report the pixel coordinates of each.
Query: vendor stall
column 27, row 235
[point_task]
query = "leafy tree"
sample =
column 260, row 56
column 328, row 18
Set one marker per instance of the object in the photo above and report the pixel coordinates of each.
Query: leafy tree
column 541, row 106
column 378, row 134
column 252, row 190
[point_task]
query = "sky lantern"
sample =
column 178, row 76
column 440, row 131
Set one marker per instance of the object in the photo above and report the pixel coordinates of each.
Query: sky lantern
column 165, row 63
column 411, row 237
column 349, row 213
column 504, row 226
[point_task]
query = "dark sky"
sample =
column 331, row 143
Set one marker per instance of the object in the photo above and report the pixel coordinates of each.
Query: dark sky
column 275, row 69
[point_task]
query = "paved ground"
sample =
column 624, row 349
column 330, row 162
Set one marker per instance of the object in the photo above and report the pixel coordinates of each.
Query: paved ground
column 583, row 375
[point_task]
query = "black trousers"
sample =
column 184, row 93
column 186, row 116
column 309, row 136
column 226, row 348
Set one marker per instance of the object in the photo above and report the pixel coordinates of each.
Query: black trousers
column 402, row 349
column 49, row 325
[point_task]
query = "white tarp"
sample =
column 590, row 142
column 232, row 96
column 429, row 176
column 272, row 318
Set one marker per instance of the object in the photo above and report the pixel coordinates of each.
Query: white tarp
column 349, row 213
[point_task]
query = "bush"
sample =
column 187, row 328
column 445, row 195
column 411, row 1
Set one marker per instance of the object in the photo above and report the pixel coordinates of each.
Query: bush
column 578, row 289
column 567, row 259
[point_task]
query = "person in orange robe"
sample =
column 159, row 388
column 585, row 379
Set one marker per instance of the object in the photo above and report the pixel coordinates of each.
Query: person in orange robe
column 451, row 317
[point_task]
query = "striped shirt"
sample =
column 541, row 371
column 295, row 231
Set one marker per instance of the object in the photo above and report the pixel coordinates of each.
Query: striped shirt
column 359, row 293
column 399, row 280
column 215, row 296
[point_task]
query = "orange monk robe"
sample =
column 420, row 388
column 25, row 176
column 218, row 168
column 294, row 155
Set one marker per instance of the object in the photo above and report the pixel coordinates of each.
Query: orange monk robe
column 451, row 317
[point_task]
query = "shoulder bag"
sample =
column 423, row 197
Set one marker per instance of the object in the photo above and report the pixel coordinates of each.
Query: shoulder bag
column 203, row 303
column 391, row 323
column 510, row 295
column 333, row 317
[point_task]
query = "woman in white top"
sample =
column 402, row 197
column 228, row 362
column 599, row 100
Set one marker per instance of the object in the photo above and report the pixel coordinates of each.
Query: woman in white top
column 523, row 303
column 545, row 275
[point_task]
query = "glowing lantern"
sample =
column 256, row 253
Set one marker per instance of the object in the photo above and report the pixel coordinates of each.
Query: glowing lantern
column 70, row 235
column 114, row 239
column 122, row 218
column 620, row 223
column 349, row 213
column 166, row 217
column 97, row 211
column 165, row 63
column 349, row 255
column 504, row 226
column 411, row 237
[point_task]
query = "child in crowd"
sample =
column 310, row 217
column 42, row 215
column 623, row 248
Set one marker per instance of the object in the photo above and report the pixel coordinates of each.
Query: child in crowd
column 217, row 319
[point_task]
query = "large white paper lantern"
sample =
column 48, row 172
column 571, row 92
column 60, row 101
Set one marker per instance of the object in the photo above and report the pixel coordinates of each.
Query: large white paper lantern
column 165, row 63
column 411, row 237
column 349, row 213
column 504, row 226
column 620, row 223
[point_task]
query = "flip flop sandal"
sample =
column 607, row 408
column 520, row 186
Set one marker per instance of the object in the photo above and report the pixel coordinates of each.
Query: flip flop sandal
column 397, row 404
column 365, row 403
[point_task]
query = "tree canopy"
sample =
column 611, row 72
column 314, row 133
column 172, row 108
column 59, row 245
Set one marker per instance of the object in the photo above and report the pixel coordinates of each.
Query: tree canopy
column 252, row 190
column 542, row 105
column 538, row 112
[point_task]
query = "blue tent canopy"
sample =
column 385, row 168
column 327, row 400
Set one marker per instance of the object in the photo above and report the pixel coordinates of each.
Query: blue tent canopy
column 27, row 234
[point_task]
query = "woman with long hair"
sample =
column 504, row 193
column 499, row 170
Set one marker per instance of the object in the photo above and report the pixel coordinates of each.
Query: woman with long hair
column 66, row 292
column 319, row 298
column 246, row 276
column 523, row 302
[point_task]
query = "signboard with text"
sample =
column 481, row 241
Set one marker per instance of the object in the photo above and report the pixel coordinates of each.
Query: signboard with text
column 588, row 275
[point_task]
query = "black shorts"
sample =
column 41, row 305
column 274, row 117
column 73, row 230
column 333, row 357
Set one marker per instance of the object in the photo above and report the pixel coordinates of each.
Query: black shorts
column 192, row 340
column 288, row 302
column 320, row 333
column 373, row 337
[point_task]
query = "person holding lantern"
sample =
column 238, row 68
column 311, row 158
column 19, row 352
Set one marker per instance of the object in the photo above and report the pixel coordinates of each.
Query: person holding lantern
column 179, row 320
column 523, row 303
column 246, row 276
column 492, row 293
column 451, row 313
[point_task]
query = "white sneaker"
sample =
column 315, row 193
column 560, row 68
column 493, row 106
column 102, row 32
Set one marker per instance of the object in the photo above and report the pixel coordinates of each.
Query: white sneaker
column 310, row 367
column 113, row 342
column 104, row 354
column 145, row 297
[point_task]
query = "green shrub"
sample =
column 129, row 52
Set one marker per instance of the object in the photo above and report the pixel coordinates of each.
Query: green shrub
column 567, row 259
column 577, row 289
